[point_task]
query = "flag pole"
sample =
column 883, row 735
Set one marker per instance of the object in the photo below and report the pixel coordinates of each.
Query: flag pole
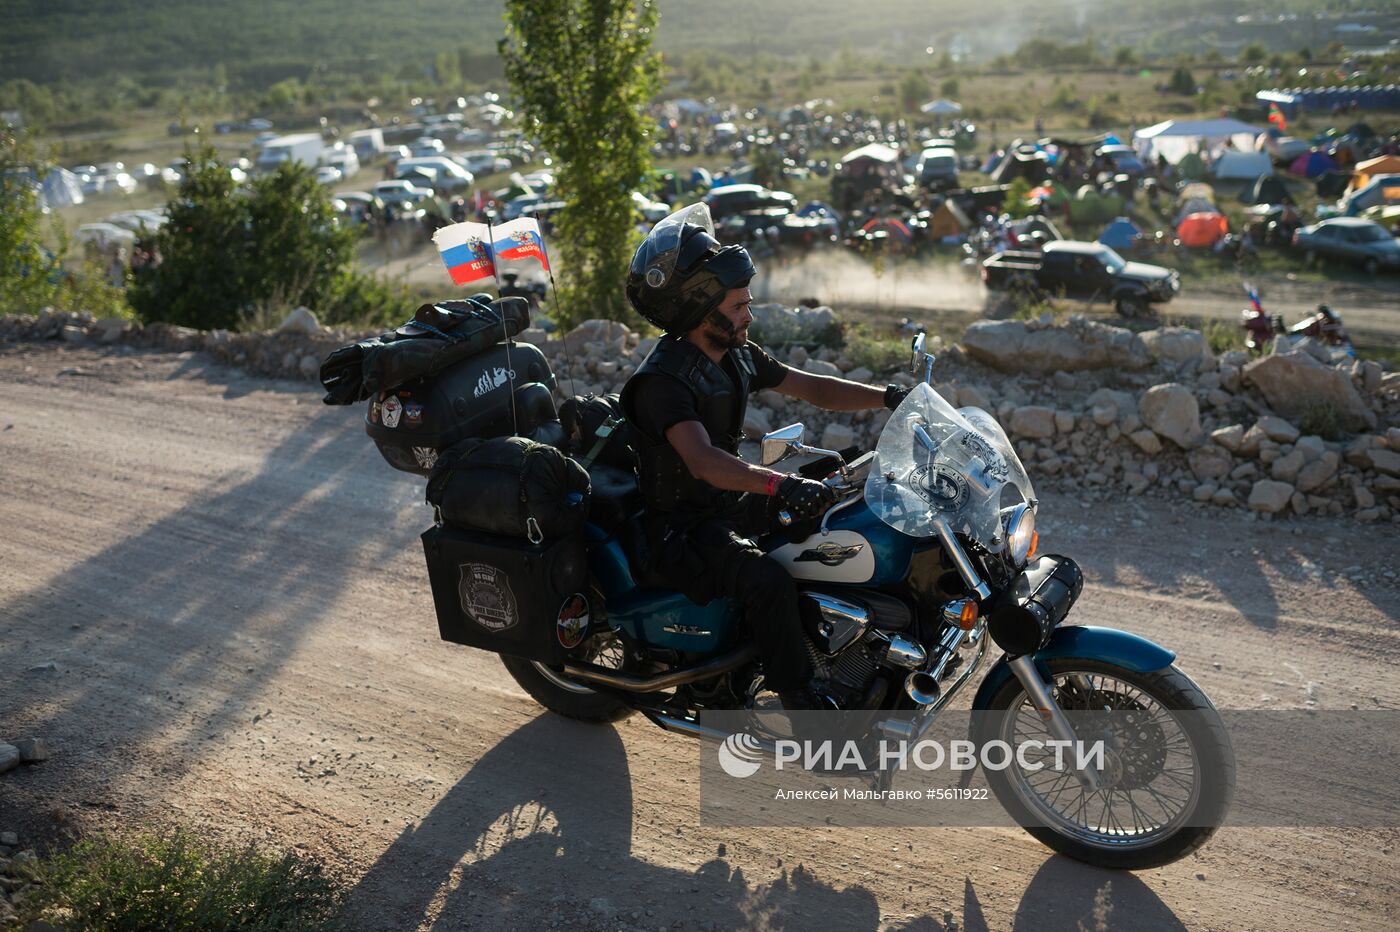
column 510, row 368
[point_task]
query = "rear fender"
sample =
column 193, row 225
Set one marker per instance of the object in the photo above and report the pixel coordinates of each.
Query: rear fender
column 1083, row 642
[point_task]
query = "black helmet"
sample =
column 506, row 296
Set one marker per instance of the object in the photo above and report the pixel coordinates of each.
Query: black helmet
column 681, row 272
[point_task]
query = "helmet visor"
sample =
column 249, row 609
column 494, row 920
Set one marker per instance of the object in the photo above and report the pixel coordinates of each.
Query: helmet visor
column 655, row 259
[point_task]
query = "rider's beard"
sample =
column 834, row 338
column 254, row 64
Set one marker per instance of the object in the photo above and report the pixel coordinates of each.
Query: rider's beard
column 721, row 335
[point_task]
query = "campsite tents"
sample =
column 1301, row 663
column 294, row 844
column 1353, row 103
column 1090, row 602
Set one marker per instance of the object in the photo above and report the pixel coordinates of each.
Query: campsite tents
column 1312, row 164
column 1021, row 162
column 1268, row 190
column 941, row 107
column 1121, row 234
column 1192, row 167
column 1202, row 229
column 61, row 188
column 1234, row 164
column 1174, row 139
column 1383, row 190
column 948, row 220
column 1365, row 171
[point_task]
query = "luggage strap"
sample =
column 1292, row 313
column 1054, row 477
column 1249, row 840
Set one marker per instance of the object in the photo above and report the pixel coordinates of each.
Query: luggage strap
column 604, row 431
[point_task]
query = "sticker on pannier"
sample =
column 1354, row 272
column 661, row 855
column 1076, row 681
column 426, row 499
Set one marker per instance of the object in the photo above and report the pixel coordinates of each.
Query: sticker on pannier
column 572, row 622
column 486, row 597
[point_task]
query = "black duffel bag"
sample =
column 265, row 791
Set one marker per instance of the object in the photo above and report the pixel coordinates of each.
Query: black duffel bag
column 510, row 486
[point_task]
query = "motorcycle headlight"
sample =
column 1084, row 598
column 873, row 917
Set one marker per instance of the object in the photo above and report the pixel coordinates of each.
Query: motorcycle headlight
column 1021, row 537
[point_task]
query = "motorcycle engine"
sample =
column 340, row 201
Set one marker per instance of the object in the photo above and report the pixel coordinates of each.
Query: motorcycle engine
column 843, row 638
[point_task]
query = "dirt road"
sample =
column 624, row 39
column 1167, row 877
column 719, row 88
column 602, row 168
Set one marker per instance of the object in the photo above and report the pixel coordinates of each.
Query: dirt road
column 226, row 580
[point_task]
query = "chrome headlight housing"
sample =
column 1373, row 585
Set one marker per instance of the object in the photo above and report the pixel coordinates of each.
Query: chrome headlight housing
column 1020, row 533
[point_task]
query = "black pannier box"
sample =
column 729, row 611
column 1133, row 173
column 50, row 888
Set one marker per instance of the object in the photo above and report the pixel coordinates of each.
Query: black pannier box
column 414, row 422
column 508, row 595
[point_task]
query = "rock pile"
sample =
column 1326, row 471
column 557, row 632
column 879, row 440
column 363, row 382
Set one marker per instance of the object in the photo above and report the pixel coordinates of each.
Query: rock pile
column 16, row 876
column 1090, row 406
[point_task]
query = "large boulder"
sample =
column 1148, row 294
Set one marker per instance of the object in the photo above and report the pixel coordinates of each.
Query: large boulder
column 301, row 320
column 1177, row 347
column 1043, row 348
column 1295, row 383
column 596, row 330
column 1171, row 411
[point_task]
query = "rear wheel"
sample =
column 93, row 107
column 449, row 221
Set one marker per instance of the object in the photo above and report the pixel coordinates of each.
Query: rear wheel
column 1168, row 779
column 1130, row 305
column 551, row 688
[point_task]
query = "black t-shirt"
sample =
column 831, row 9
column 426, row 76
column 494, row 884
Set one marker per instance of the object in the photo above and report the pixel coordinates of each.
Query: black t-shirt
column 663, row 402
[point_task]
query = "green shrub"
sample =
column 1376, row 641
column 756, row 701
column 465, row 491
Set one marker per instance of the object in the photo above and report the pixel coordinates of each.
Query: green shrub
column 175, row 882
column 879, row 352
column 1323, row 419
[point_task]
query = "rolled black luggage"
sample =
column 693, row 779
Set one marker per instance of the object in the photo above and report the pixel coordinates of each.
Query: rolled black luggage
column 510, row 486
column 1039, row 600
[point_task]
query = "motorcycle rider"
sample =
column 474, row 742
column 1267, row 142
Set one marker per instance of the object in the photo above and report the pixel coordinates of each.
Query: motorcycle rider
column 686, row 405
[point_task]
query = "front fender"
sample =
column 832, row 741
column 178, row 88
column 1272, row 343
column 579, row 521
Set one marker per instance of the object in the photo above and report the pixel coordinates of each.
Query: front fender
column 1084, row 642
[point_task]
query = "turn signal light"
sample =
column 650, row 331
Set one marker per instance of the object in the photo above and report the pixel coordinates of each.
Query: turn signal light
column 967, row 619
column 1035, row 544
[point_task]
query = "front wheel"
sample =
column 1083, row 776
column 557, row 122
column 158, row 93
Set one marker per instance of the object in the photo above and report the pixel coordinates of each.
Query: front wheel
column 1169, row 774
column 1130, row 305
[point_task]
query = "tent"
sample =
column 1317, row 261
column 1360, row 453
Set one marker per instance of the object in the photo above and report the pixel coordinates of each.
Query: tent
column 1312, row 164
column 61, row 188
column 1174, row 139
column 1383, row 190
column 1191, row 167
column 1235, row 164
column 1202, row 229
column 1200, row 191
column 1382, row 165
column 1268, row 190
column 1021, row 162
column 875, row 152
column 1120, row 234
column 948, row 220
column 941, row 107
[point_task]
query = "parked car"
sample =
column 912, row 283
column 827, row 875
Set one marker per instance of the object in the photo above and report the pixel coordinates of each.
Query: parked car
column 449, row 177
column 730, row 199
column 1350, row 239
column 483, row 162
column 329, row 175
column 426, row 146
column 937, row 169
column 1083, row 270
column 399, row 190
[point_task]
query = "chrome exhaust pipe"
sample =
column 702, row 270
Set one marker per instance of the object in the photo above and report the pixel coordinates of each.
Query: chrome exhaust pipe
column 922, row 688
column 627, row 682
column 686, row 727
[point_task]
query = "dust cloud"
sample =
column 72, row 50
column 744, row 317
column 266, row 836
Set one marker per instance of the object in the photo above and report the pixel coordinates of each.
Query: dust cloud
column 840, row 278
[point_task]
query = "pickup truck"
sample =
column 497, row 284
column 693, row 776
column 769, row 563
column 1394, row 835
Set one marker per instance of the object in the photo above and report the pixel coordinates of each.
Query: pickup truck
column 1091, row 271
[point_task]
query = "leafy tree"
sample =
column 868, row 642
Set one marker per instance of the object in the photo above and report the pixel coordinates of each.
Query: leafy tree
column 584, row 73
column 29, row 273
column 914, row 90
column 1253, row 53
column 225, row 250
column 1124, row 55
column 1182, row 81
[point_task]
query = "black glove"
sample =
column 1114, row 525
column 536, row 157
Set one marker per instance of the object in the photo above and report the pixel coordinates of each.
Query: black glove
column 803, row 498
column 894, row 394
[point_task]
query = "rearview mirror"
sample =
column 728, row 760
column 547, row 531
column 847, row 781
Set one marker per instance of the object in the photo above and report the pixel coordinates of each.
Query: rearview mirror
column 778, row 444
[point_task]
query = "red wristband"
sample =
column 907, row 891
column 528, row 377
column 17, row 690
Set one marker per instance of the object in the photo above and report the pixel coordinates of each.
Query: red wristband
column 773, row 482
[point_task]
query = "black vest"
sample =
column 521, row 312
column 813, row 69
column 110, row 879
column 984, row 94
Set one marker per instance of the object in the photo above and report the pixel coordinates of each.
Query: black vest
column 666, row 483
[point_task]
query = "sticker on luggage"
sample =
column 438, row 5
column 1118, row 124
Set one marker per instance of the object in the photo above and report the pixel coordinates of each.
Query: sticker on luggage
column 487, row 598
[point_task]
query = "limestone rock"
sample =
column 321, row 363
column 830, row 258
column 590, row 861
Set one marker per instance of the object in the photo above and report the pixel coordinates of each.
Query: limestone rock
column 1033, row 421
column 1286, row 467
column 1104, row 414
column 1171, row 411
column 310, row 366
column 1146, row 441
column 1312, row 447
column 838, row 436
column 1210, row 462
column 860, row 374
column 596, row 330
column 1385, row 461
column 1121, row 403
column 301, row 320
column 756, row 422
column 779, row 324
column 821, row 367
column 1177, row 347
column 1229, row 437
column 974, row 397
column 110, row 329
column 1269, row 496
column 1020, row 347
column 1364, row 498
column 1293, row 383
column 1277, row 429
column 1318, row 472
column 32, row 750
column 1204, row 491
column 9, row 757
column 1224, row 497
column 1064, row 422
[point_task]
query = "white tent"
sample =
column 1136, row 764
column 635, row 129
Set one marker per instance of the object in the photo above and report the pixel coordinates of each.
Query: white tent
column 61, row 188
column 941, row 107
column 1235, row 164
column 1174, row 139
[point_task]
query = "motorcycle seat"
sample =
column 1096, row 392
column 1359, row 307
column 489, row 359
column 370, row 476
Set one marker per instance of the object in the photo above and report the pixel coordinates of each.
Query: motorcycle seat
column 615, row 498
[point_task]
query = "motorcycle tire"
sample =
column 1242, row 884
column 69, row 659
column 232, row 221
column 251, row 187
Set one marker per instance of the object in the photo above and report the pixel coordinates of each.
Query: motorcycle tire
column 1211, row 751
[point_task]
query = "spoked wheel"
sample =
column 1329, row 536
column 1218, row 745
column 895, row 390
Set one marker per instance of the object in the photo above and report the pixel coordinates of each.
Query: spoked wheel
column 1168, row 769
column 551, row 688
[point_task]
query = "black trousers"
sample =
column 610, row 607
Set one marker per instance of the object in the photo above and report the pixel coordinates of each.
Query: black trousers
column 710, row 558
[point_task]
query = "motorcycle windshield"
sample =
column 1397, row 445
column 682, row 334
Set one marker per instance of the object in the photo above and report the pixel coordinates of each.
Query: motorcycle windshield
column 934, row 462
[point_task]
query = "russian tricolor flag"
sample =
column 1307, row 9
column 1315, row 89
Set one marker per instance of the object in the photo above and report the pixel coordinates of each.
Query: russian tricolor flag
column 519, row 239
column 466, row 251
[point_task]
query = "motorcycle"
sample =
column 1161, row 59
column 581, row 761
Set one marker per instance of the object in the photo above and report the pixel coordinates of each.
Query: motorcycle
column 1261, row 328
column 925, row 561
